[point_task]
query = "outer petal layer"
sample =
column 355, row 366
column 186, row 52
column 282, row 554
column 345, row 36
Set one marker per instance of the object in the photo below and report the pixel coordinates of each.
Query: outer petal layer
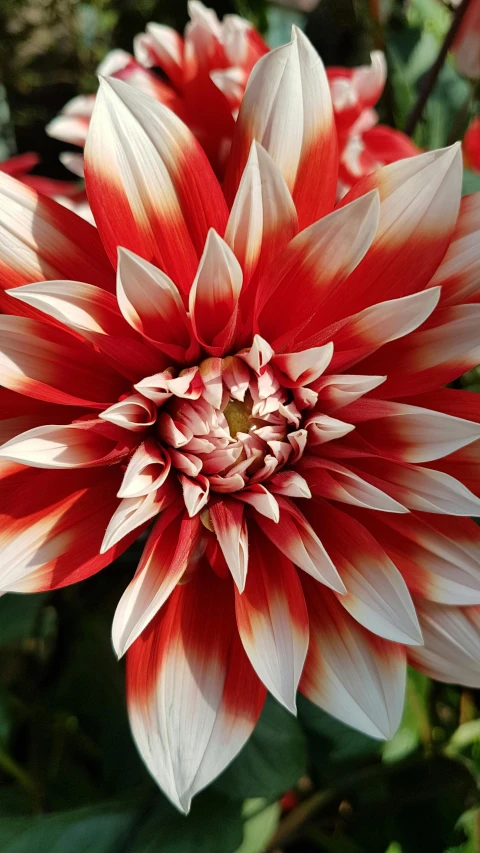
column 188, row 717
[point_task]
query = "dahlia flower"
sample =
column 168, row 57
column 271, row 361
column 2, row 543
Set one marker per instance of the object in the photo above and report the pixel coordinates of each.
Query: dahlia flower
column 466, row 47
column 364, row 144
column 20, row 167
column 261, row 383
column 206, row 74
column 471, row 145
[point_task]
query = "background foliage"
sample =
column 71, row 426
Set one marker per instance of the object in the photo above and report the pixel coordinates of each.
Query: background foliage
column 70, row 778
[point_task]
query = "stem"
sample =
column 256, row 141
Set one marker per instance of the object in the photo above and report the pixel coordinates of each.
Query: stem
column 431, row 77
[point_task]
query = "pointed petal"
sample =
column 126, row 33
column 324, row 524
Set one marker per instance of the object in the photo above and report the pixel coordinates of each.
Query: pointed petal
column 263, row 217
column 52, row 525
column 133, row 514
column 329, row 479
column 459, row 272
column 230, row 526
column 261, row 500
column 436, row 354
column 152, row 304
column 94, row 313
column 295, row 538
column 311, row 268
column 349, row 672
column 438, row 557
column 287, row 108
column 375, row 326
column 272, row 619
column 195, row 493
column 161, row 46
column 51, row 365
column 146, row 471
column 80, row 445
column 289, row 483
column 420, row 200
column 213, row 300
column 302, row 368
column 143, row 162
column 335, row 391
column 376, row 593
column 409, row 433
column 452, row 643
column 40, row 239
column 418, row 488
column 172, row 549
column 135, row 413
column 188, row 717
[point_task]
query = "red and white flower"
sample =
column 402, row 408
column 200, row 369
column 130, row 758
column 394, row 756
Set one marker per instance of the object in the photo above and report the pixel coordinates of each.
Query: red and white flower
column 206, row 74
column 263, row 381
column 364, row 144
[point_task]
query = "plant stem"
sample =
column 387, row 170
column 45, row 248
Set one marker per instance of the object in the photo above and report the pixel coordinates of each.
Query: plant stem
column 431, row 77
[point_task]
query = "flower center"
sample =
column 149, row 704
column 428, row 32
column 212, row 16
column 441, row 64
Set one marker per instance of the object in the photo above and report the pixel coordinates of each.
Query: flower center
column 238, row 416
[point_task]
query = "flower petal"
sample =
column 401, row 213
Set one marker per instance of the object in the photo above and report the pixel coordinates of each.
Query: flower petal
column 444, row 348
column 230, row 527
column 420, row 199
column 376, row 593
column 173, row 548
column 143, row 163
column 438, row 557
column 188, row 717
column 295, row 538
column 152, row 304
column 80, row 445
column 214, row 296
column 311, row 268
column 49, row 364
column 52, row 525
column 417, row 487
column 349, row 672
column 328, row 479
column 408, row 433
column 95, row 314
column 452, row 643
column 133, row 514
column 288, row 109
column 40, row 239
column 272, row 619
column 459, row 272
column 263, row 217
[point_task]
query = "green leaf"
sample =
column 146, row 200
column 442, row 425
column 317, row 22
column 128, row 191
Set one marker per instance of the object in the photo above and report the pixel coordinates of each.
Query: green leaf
column 261, row 822
column 445, row 114
column 415, row 724
column 416, row 803
column 18, row 616
column 271, row 762
column 330, row 741
column 88, row 703
column 471, row 182
column 97, row 828
column 214, row 825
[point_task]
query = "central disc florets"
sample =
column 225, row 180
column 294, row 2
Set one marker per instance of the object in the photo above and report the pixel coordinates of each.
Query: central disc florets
column 227, row 425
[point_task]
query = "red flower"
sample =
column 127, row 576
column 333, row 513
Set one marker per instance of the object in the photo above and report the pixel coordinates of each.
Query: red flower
column 471, row 145
column 364, row 145
column 206, row 75
column 266, row 386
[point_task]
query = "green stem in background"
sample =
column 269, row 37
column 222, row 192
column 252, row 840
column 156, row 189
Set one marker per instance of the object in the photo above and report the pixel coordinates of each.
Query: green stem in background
column 13, row 769
column 432, row 75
